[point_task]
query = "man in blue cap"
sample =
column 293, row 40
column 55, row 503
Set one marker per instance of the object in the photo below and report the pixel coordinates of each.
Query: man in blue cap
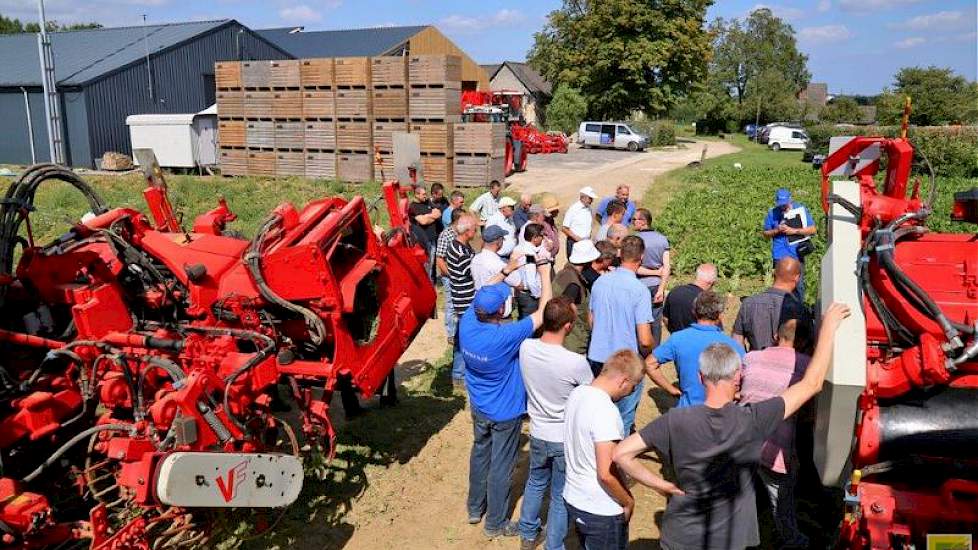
column 790, row 228
column 497, row 397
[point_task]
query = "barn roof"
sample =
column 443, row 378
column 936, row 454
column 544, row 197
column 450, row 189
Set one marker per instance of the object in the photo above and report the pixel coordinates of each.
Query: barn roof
column 339, row 43
column 534, row 81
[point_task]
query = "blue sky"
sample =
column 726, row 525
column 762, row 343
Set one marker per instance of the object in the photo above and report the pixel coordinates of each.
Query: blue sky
column 854, row 45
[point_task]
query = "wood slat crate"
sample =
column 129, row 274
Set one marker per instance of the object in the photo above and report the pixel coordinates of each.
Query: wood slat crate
column 437, row 169
column 316, row 72
column 231, row 133
column 227, row 74
column 481, row 138
column 230, row 103
column 440, row 103
column 354, row 167
column 353, row 103
column 384, row 134
column 390, row 103
column 233, row 162
column 284, row 74
column 435, row 69
column 478, row 171
column 260, row 133
column 261, row 163
column 435, row 137
column 257, row 104
column 321, row 165
column 290, row 163
column 287, row 104
column 351, row 71
column 353, row 135
column 256, row 74
column 318, row 104
column 388, row 71
column 320, row 135
column 290, row 135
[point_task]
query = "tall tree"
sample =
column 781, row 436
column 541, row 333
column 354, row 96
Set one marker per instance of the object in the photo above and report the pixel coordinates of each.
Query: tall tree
column 13, row 26
column 566, row 110
column 625, row 55
column 842, row 109
column 938, row 96
column 10, row 26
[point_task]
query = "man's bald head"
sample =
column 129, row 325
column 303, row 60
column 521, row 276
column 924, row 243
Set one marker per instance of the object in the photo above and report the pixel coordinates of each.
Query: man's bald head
column 787, row 271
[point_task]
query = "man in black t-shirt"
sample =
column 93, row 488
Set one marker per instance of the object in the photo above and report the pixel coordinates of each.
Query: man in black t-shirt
column 714, row 448
column 439, row 201
column 424, row 228
column 678, row 309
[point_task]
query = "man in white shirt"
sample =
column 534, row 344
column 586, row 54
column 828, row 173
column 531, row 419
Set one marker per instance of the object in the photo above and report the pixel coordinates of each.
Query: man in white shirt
column 530, row 289
column 487, row 263
column 550, row 373
column 504, row 220
column 579, row 219
column 487, row 203
column 598, row 503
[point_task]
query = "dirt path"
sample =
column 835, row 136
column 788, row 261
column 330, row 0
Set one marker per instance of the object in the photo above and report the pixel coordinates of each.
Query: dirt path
column 421, row 503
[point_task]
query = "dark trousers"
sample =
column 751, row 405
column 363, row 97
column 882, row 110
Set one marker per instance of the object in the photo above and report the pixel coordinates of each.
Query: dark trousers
column 491, row 465
column 656, row 316
column 599, row 532
column 526, row 304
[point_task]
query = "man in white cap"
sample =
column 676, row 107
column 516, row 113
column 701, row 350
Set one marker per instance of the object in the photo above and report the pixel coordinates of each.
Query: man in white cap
column 579, row 219
column 570, row 282
column 504, row 220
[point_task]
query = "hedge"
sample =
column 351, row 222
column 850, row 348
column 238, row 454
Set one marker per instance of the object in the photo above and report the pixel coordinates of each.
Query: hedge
column 660, row 132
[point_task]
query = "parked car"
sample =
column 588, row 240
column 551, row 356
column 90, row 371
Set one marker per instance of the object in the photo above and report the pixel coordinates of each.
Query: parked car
column 782, row 137
column 750, row 130
column 612, row 135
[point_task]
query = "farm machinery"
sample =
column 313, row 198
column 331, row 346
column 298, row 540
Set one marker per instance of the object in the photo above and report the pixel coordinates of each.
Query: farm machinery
column 897, row 422
column 144, row 363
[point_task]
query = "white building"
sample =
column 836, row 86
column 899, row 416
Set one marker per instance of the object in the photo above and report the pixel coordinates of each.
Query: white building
column 513, row 76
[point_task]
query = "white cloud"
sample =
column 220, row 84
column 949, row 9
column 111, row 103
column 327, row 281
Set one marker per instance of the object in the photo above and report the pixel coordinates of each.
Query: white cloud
column 465, row 23
column 939, row 20
column 299, row 13
column 824, row 5
column 825, row 33
column 872, row 6
column 784, row 12
column 908, row 43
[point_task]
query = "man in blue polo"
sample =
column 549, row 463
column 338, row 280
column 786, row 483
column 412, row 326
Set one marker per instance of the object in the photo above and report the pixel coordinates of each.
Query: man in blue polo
column 684, row 348
column 790, row 227
column 490, row 344
column 621, row 195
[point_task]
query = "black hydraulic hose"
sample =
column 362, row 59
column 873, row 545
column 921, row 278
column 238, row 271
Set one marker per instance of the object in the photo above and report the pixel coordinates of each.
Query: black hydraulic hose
column 74, row 441
column 172, row 369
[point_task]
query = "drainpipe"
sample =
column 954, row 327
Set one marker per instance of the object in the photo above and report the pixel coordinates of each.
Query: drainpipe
column 30, row 125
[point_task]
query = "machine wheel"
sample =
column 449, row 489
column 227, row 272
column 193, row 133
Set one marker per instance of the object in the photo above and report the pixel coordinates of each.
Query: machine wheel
column 632, row 146
column 775, row 146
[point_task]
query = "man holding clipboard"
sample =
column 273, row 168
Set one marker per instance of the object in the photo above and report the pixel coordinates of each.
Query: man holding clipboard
column 790, row 228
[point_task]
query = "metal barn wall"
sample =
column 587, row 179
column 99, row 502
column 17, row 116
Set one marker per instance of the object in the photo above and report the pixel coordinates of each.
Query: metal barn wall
column 15, row 145
column 182, row 83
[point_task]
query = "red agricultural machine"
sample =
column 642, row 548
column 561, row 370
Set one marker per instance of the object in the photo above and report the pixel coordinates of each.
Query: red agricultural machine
column 897, row 423
column 142, row 362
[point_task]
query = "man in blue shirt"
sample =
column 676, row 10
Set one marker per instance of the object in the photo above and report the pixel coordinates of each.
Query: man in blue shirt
column 490, row 343
column 621, row 313
column 788, row 224
column 621, row 195
column 684, row 348
column 455, row 202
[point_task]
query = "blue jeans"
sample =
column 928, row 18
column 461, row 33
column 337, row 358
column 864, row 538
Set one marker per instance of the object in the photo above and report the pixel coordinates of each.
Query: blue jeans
column 547, row 468
column 449, row 307
column 458, row 361
column 599, row 532
column 627, row 406
column 491, row 467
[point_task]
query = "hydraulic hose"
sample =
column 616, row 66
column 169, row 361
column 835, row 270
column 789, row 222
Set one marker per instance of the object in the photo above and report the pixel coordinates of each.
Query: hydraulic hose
column 72, row 442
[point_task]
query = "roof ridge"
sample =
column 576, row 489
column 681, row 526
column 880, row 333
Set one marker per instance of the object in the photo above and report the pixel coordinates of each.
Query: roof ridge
column 170, row 24
column 378, row 27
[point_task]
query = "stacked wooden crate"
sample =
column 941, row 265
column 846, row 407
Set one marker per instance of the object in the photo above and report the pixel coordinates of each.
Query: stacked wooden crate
column 434, row 105
column 389, row 96
column 480, row 153
column 319, row 117
column 354, row 133
column 233, row 154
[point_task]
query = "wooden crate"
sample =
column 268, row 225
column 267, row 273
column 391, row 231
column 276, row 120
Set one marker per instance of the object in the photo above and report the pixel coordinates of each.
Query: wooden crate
column 354, row 167
column 287, row 104
column 230, row 103
column 435, row 69
column 353, row 135
column 317, row 72
column 351, row 71
column 320, row 134
column 384, row 133
column 260, row 133
column 388, row 71
column 437, row 169
column 261, row 163
column 321, row 165
column 389, row 103
column 354, row 103
column 318, row 104
column 290, row 163
column 284, row 73
column 480, row 138
column 256, row 74
column 227, row 74
column 231, row 133
column 435, row 103
column 290, row 135
column 436, row 137
column 233, row 162
column 478, row 170
column 258, row 104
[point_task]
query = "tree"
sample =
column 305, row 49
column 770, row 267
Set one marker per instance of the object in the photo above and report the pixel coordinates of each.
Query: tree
column 10, row 26
column 938, row 96
column 566, row 110
column 625, row 55
column 842, row 109
column 14, row 26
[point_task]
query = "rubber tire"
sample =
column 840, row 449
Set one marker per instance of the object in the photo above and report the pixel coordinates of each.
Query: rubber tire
column 632, row 146
column 775, row 146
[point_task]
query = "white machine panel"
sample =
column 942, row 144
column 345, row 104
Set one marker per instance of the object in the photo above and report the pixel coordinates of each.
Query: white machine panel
column 866, row 156
column 229, row 480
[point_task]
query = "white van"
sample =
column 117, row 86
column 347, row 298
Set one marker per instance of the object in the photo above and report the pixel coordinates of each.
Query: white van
column 783, row 137
column 613, row 135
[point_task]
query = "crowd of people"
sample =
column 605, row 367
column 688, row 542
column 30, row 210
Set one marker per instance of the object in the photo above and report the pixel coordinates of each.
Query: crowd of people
column 569, row 349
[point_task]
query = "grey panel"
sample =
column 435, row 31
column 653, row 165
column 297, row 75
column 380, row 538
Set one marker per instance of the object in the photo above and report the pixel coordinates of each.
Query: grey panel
column 14, row 145
column 834, row 427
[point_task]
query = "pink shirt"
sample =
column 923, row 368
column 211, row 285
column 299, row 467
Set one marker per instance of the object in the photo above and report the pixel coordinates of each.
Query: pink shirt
column 767, row 373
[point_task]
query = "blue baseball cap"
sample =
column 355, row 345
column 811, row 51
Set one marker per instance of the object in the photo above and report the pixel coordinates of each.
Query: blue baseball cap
column 782, row 197
column 493, row 233
column 492, row 297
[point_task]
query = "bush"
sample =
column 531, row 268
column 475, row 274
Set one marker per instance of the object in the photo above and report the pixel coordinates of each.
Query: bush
column 660, row 132
column 566, row 110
